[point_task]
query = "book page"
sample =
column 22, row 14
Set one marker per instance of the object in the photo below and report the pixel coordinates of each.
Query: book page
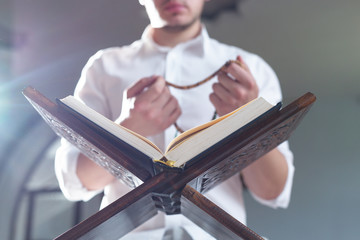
column 207, row 137
column 136, row 140
column 187, row 134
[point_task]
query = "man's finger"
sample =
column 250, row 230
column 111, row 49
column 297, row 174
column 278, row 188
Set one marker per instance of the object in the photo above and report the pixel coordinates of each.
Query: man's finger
column 154, row 91
column 241, row 74
column 221, row 92
column 139, row 86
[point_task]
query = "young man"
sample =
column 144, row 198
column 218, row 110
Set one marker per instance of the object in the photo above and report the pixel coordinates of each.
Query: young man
column 127, row 84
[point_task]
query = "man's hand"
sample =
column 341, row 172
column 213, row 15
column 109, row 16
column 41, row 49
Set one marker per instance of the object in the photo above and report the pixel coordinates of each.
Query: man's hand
column 148, row 107
column 235, row 88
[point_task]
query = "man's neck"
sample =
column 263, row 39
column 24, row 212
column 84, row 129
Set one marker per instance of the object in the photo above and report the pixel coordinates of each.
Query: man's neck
column 171, row 36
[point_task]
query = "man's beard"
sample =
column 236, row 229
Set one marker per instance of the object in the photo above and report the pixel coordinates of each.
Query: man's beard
column 180, row 28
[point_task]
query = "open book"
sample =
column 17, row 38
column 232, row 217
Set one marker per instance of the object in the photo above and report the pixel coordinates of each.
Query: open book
column 185, row 146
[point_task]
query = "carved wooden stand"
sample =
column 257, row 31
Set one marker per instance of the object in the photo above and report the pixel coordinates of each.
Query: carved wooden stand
column 173, row 191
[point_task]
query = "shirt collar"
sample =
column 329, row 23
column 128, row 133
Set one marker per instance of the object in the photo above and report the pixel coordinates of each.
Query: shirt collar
column 197, row 44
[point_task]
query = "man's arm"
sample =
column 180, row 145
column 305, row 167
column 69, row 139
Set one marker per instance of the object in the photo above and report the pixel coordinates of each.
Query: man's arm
column 91, row 175
column 267, row 176
column 236, row 87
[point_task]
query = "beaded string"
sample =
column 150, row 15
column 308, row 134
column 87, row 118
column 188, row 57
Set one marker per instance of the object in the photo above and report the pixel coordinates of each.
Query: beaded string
column 186, row 87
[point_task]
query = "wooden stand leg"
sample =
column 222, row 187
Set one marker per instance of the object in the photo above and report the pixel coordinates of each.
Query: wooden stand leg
column 212, row 218
column 120, row 217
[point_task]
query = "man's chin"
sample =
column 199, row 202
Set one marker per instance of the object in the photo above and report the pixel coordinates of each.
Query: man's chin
column 171, row 27
column 175, row 28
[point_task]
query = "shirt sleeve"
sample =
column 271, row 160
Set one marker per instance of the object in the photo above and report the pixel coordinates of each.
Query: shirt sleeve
column 269, row 88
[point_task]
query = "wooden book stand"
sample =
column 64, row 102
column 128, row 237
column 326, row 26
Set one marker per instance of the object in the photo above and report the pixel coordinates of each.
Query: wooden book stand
column 173, row 191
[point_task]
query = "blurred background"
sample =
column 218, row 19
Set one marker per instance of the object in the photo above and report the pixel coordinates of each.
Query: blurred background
column 313, row 46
